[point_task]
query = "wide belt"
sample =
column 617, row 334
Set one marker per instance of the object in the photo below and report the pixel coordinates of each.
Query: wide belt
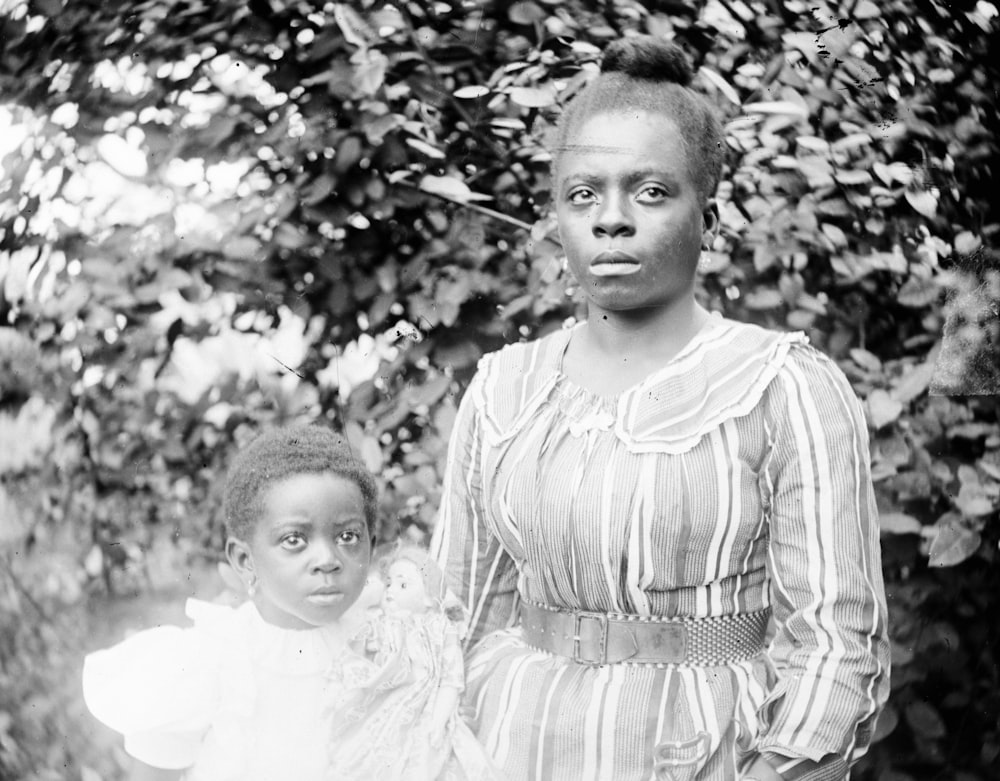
column 611, row 638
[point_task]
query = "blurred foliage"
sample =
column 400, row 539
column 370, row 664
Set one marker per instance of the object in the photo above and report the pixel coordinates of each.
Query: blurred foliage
column 215, row 216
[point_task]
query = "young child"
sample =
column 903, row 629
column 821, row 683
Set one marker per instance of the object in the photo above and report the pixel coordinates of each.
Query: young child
column 243, row 695
column 403, row 720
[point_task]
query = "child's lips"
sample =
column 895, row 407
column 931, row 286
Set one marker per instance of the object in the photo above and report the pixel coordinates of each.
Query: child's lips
column 325, row 596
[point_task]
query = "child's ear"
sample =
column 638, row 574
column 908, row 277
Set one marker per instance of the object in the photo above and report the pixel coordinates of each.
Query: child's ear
column 240, row 559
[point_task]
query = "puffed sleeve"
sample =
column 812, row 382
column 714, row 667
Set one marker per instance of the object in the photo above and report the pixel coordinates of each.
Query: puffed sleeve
column 478, row 569
column 831, row 644
column 159, row 688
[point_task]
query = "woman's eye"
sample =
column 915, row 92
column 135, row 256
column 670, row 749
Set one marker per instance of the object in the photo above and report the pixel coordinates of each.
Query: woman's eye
column 580, row 195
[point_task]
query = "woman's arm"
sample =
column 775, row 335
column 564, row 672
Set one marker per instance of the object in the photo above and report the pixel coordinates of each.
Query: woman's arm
column 478, row 570
column 831, row 647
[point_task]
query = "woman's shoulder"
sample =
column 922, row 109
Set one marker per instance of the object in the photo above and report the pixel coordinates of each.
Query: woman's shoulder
column 512, row 382
column 722, row 374
column 518, row 360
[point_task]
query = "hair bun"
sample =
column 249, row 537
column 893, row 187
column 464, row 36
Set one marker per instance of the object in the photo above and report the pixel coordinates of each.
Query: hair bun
column 646, row 57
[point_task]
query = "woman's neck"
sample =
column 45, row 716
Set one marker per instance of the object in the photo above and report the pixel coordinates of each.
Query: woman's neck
column 656, row 335
column 616, row 350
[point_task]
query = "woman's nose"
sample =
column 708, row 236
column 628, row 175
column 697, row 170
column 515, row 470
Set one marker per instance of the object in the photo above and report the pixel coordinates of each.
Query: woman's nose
column 613, row 219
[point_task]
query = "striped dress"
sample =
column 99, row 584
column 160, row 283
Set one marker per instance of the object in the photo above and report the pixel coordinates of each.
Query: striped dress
column 733, row 479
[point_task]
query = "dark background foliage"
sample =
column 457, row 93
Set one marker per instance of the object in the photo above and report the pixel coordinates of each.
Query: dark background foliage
column 220, row 215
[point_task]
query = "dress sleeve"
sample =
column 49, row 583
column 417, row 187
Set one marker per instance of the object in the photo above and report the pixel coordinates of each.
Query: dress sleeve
column 159, row 689
column 478, row 569
column 831, row 645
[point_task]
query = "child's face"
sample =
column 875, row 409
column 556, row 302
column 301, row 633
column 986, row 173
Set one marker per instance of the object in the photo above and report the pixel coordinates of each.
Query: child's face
column 405, row 590
column 310, row 550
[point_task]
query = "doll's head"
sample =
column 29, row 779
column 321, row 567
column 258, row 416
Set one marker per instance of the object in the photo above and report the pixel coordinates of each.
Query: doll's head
column 299, row 512
column 413, row 582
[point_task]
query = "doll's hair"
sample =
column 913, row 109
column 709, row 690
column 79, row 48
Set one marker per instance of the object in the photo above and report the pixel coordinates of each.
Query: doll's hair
column 282, row 453
column 646, row 74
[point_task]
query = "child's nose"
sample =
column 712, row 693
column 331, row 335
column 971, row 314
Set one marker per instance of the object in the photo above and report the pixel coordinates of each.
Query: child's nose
column 326, row 557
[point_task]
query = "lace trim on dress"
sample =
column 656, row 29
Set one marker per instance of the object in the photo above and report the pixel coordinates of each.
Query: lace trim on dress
column 720, row 375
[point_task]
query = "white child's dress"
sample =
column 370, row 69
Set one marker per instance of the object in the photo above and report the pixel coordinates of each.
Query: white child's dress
column 232, row 698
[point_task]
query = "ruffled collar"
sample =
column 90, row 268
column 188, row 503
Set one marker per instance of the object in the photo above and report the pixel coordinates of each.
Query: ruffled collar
column 721, row 374
column 289, row 651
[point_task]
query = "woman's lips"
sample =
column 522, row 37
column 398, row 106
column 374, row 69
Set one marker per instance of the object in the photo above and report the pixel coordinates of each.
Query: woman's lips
column 614, row 264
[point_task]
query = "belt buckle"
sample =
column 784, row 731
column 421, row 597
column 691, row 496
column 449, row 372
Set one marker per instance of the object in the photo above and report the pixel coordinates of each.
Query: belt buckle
column 602, row 619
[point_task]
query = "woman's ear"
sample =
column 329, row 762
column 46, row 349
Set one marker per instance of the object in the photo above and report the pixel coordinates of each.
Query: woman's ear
column 241, row 559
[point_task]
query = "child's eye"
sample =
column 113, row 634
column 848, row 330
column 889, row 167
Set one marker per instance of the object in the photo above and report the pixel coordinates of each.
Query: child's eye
column 293, row 541
column 651, row 193
column 350, row 537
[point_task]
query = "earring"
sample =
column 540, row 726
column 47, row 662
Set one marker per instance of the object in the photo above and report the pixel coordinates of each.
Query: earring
column 252, row 587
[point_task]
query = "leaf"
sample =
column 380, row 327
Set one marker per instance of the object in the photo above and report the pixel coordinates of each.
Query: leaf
column 834, row 234
column 887, row 722
column 767, row 298
column 446, row 186
column 918, row 292
column 966, row 243
column 899, row 523
column 371, row 454
column 242, row 248
column 923, row 201
column 851, row 142
column 526, row 13
column 778, row 107
column 466, row 93
column 720, row 84
column 913, row 383
column 450, row 187
column 427, row 149
column 866, row 9
column 853, row 177
column 952, row 543
column 882, row 408
column 866, row 360
column 924, row 720
column 533, row 97
column 813, row 144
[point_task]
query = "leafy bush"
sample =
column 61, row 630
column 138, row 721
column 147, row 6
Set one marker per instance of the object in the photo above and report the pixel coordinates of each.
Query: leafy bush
column 217, row 216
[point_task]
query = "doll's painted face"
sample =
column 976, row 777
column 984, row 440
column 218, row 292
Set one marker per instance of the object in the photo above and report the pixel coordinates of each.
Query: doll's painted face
column 405, row 591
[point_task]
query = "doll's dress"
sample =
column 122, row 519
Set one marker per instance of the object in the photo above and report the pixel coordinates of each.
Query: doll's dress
column 384, row 706
column 232, row 698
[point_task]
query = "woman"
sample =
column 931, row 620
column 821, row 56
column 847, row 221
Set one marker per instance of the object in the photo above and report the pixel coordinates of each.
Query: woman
column 630, row 502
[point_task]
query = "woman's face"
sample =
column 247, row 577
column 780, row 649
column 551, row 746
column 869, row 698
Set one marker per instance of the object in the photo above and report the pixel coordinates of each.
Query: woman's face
column 630, row 217
column 310, row 550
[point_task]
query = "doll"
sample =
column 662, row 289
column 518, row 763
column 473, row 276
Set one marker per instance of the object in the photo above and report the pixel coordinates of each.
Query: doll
column 401, row 718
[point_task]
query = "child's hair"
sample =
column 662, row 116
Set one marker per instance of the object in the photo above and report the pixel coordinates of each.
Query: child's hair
column 643, row 73
column 281, row 453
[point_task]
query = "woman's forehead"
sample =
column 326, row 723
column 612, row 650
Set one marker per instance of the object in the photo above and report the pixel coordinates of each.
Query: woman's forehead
column 604, row 141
